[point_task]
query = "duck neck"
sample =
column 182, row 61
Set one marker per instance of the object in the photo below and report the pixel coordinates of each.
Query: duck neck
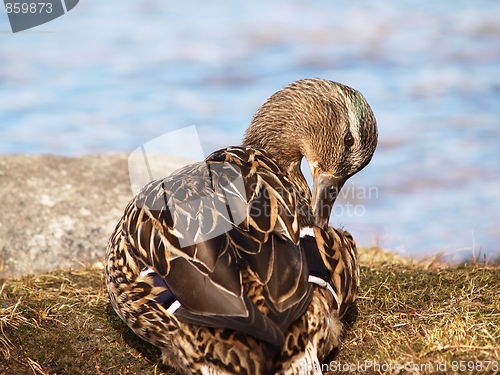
column 289, row 157
column 303, row 194
column 284, row 134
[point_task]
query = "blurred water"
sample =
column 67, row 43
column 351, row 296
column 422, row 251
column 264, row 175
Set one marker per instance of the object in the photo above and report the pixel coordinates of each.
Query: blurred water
column 109, row 76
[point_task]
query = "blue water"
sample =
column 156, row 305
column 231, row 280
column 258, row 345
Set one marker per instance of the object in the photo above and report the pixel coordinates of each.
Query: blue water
column 109, row 76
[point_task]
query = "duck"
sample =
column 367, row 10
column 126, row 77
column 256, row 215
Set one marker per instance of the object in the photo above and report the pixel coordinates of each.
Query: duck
column 229, row 265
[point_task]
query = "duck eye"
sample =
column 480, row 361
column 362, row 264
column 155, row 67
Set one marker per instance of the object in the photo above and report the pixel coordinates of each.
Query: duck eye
column 349, row 139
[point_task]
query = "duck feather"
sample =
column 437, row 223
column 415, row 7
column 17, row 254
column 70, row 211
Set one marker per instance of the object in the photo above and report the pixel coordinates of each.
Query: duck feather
column 205, row 275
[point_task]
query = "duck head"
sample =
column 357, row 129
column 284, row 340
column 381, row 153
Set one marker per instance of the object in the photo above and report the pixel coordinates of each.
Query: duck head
column 329, row 124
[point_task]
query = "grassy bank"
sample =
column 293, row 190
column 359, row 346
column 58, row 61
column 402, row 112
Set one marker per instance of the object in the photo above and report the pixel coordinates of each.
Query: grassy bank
column 416, row 317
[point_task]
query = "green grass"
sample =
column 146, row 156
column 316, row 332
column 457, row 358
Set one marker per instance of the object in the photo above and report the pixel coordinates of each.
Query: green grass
column 408, row 314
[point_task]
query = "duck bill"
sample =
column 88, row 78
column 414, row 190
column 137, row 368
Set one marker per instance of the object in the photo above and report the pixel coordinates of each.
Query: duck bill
column 326, row 188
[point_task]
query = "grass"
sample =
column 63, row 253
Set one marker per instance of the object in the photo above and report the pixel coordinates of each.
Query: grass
column 426, row 319
column 410, row 318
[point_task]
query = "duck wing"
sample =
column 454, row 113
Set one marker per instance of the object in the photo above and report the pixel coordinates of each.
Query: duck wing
column 223, row 237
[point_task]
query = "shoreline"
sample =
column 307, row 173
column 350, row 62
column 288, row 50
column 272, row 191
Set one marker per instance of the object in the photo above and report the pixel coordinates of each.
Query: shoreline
column 58, row 212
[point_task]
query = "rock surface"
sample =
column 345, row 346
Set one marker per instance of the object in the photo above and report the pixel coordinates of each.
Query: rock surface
column 58, row 212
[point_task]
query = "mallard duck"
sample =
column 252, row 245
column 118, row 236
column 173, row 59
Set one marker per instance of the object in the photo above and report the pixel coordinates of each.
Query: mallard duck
column 229, row 265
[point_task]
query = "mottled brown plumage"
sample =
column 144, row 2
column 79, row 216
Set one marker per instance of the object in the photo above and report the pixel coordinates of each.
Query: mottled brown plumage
column 228, row 265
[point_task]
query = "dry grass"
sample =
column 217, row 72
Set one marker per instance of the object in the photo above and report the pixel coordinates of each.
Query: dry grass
column 62, row 323
column 422, row 315
column 425, row 318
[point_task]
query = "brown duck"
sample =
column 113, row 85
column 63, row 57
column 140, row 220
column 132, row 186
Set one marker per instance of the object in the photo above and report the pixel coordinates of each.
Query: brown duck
column 229, row 265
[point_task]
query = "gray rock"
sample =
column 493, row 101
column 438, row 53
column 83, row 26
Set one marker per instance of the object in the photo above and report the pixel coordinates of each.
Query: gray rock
column 58, row 212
